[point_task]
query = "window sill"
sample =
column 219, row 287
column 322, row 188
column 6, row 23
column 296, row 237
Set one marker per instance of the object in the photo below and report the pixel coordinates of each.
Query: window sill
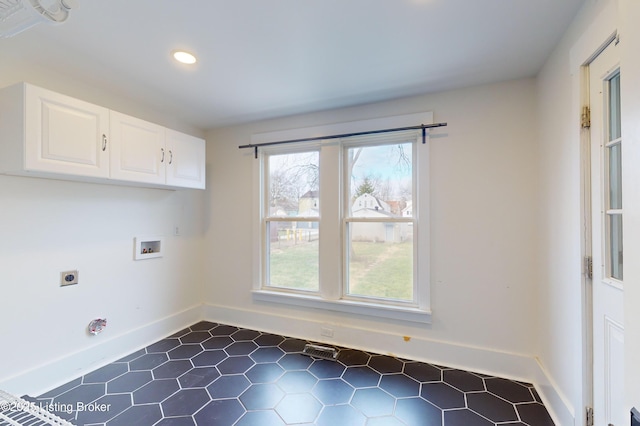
column 346, row 306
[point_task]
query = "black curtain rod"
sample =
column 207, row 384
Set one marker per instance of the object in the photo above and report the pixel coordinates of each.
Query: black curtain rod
column 346, row 135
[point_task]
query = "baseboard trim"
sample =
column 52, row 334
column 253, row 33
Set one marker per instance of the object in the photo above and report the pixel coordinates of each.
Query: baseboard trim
column 52, row 374
column 482, row 360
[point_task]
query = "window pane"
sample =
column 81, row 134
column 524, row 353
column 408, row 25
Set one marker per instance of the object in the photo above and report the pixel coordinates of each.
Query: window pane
column 293, row 184
column 615, row 176
column 615, row 224
column 380, row 180
column 293, row 255
column 381, row 260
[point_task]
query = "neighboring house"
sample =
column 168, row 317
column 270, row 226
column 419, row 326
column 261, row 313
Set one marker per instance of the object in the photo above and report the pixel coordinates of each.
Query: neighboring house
column 408, row 210
column 369, row 206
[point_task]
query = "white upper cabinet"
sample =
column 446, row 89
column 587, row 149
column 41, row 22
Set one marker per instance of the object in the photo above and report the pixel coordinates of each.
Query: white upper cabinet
column 137, row 150
column 43, row 131
column 46, row 134
column 185, row 161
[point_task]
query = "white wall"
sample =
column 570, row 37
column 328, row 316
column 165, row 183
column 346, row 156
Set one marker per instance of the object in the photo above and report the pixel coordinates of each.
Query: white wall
column 49, row 226
column 484, row 236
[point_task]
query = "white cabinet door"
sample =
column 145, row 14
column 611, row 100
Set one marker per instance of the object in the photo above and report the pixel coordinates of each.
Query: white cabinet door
column 64, row 135
column 138, row 151
column 186, row 161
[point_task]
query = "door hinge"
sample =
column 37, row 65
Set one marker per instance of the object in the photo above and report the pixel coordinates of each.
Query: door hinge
column 585, row 119
column 589, row 416
column 588, row 266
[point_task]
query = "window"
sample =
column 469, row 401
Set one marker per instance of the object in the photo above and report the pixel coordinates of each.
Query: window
column 343, row 222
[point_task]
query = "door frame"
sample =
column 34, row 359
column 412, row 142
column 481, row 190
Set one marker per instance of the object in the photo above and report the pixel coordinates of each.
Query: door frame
column 586, row 228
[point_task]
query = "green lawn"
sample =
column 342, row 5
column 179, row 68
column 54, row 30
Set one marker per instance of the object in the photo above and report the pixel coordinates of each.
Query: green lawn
column 376, row 269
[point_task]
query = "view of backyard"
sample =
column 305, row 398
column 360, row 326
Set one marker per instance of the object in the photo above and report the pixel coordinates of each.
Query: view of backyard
column 382, row 270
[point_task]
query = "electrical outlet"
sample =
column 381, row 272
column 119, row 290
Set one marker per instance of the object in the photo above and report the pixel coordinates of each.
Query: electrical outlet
column 68, row 278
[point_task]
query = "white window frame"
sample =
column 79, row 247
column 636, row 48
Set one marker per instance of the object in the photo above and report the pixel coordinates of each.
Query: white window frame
column 329, row 297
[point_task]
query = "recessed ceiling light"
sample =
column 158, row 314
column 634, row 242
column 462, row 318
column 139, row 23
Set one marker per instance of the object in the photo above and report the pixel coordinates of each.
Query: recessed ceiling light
column 184, row 57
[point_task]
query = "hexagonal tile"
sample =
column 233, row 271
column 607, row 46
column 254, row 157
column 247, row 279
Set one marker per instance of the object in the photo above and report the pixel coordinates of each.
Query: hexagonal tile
column 340, row 415
column 292, row 345
column 417, row 411
column 185, row 351
column 235, row 364
column 115, row 405
column 228, row 386
column 148, row 362
column 164, row 345
column 400, row 385
column 373, row 402
column 129, row 382
column 465, row 417
column 262, row 418
column 185, row 402
column 172, row 369
column 293, row 361
column 261, row 397
column 384, row 421
column 208, row 358
column 361, row 377
column 82, row 393
column 241, row 348
column 442, row 395
column 423, row 372
column 299, row 408
column 220, row 412
column 106, row 373
column 177, row 421
column 267, row 354
column 62, row 389
column 132, row 356
column 491, row 407
column 199, row 377
column 217, row 342
column 137, row 415
column 511, row 391
column 352, row 357
column 244, row 334
column 324, row 369
column 180, row 333
column 155, row 391
column 223, row 330
column 264, row 373
column 266, row 339
column 333, row 391
column 534, row 414
column 463, row 380
column 385, row 364
column 203, row 326
column 297, row 381
column 195, row 337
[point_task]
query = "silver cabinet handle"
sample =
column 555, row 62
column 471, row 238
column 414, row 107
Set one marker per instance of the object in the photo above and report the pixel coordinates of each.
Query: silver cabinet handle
column 170, row 156
column 104, row 142
column 162, row 159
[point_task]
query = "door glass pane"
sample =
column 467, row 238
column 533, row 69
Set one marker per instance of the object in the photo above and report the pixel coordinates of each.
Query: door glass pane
column 614, row 108
column 615, row 176
column 380, row 180
column 293, row 255
column 615, row 229
column 381, row 260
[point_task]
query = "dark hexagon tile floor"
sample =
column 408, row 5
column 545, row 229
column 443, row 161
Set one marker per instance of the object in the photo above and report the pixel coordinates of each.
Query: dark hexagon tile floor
column 214, row 375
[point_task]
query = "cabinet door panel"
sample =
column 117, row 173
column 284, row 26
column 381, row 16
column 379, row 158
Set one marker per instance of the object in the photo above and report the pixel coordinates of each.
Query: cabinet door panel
column 186, row 162
column 137, row 152
column 65, row 135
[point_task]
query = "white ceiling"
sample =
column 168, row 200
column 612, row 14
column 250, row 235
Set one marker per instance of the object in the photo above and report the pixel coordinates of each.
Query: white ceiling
column 268, row 58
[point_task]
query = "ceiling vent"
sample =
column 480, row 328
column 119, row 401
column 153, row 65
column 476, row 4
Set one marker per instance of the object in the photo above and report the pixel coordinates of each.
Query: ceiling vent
column 18, row 15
